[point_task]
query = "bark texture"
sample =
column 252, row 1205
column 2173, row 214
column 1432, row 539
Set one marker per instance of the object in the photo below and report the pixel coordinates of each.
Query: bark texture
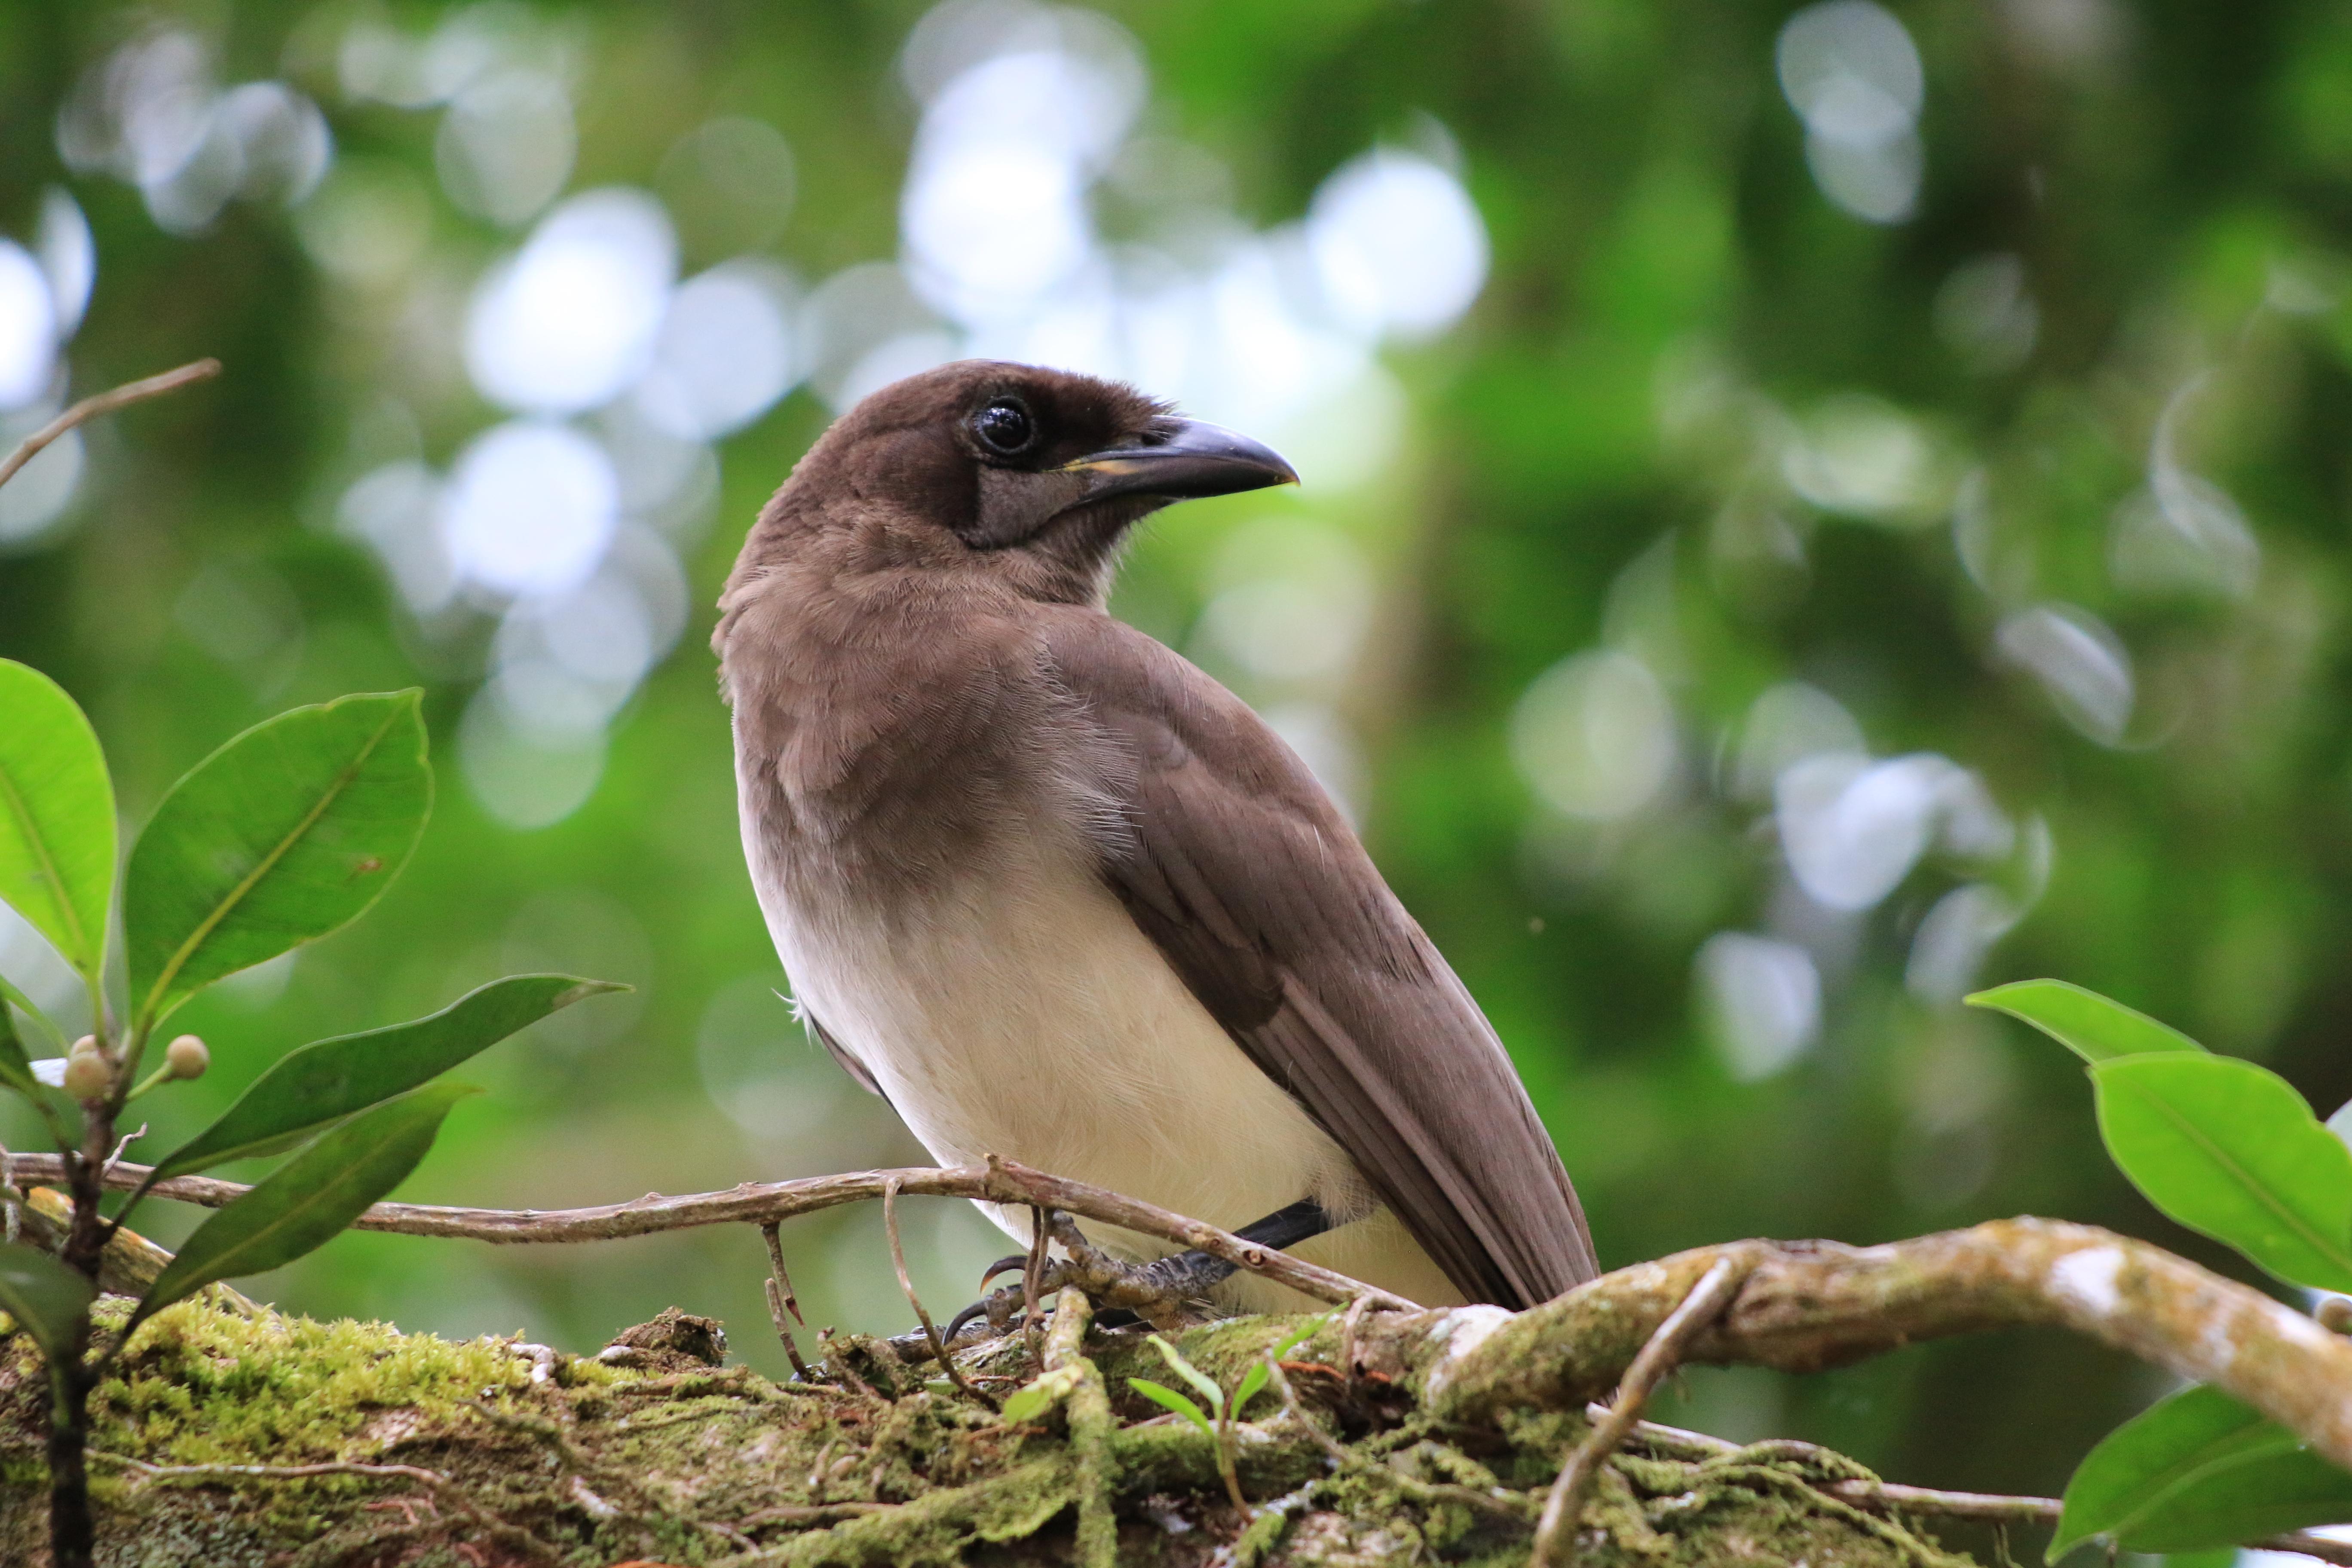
column 231, row 1435
column 231, row 1440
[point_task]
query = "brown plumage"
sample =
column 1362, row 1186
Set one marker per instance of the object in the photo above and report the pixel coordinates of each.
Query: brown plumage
column 1060, row 896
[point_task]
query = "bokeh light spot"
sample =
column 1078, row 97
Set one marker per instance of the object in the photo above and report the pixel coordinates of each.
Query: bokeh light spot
column 572, row 320
column 530, row 509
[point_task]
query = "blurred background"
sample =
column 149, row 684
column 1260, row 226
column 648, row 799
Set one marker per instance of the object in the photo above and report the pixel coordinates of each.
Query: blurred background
column 1806, row 511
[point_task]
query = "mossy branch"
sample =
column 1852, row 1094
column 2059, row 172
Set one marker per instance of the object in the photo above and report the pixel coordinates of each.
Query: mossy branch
column 913, row 1474
column 1809, row 1305
column 1805, row 1305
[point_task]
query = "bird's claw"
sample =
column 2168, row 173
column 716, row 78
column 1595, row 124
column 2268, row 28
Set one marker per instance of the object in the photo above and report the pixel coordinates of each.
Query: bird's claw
column 1168, row 1292
column 1004, row 1266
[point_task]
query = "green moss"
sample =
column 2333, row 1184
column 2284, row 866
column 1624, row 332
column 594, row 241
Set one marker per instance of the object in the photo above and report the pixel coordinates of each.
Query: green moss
column 591, row 1465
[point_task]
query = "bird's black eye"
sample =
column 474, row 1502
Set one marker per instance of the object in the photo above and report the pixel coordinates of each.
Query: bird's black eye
column 1005, row 427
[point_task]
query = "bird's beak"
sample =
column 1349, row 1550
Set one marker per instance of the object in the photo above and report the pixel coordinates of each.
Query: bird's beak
column 1185, row 461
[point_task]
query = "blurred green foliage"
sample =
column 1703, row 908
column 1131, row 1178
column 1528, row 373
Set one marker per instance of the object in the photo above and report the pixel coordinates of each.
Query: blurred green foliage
column 2092, row 394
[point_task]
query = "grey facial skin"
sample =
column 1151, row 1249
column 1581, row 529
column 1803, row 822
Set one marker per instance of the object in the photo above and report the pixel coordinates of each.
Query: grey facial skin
column 1057, row 895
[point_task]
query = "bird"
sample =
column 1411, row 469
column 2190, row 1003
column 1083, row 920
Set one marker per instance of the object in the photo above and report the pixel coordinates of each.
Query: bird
column 1055, row 894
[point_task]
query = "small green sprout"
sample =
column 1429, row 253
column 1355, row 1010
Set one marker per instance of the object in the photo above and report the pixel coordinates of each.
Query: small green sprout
column 1216, row 1423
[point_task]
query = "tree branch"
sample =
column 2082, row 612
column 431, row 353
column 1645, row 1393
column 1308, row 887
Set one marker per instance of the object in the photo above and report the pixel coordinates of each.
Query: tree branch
column 765, row 1203
column 1556, row 1527
column 2001, row 1510
column 1811, row 1305
column 104, row 403
column 1806, row 1306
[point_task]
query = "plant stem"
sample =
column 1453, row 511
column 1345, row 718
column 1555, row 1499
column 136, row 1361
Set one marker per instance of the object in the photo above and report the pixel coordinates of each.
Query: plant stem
column 1229, row 1460
column 72, row 1535
column 161, row 1075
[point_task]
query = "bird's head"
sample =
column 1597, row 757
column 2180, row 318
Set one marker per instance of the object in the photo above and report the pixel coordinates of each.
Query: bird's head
column 1033, row 475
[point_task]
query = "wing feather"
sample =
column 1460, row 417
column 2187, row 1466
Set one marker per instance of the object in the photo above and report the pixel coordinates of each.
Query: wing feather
column 857, row 1070
column 1235, row 862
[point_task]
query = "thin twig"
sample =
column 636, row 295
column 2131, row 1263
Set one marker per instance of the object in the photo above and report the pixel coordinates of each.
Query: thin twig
column 1555, row 1532
column 2004, row 1509
column 1952, row 1505
column 1672, row 1439
column 781, row 1300
column 1348, row 1326
column 432, row 1478
column 1033, row 1274
column 123, row 1143
column 782, row 1277
column 104, row 403
column 907, row 1283
column 755, row 1202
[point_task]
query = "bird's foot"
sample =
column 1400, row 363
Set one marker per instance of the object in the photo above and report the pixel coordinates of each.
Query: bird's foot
column 1168, row 1292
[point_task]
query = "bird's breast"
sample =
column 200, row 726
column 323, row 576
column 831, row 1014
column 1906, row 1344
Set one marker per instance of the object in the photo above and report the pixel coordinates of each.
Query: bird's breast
column 1016, row 1009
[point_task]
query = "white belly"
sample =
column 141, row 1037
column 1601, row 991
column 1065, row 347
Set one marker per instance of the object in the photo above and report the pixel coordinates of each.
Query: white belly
column 1024, row 1014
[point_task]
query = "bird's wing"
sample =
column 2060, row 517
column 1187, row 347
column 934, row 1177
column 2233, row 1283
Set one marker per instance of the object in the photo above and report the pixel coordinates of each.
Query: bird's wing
column 840, row 1053
column 1237, row 864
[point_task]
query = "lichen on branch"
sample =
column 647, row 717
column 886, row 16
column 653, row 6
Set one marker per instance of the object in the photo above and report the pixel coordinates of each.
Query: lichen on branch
column 1389, row 1433
column 235, row 1440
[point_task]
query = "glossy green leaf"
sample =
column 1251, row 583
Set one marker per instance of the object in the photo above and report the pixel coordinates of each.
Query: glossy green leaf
column 1160, row 1394
column 309, row 1199
column 328, row 1080
column 57, row 816
column 18, row 1073
column 45, row 1295
column 16, row 1066
column 9, row 994
column 1040, row 1393
column 2199, row 1470
column 283, row 835
column 2085, row 1022
column 2231, row 1149
column 1191, row 1373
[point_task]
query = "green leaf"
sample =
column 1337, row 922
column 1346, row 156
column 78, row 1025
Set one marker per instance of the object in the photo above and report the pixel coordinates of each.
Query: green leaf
column 1161, row 1394
column 1040, row 1394
column 309, row 1199
column 1255, row 1378
column 283, row 835
column 1191, row 1374
column 1301, row 1335
column 2231, row 1149
column 16, row 1073
column 330, row 1079
column 8, row 993
column 2199, row 1470
column 2083, row 1021
column 57, row 816
column 16, row 1066
column 45, row 1298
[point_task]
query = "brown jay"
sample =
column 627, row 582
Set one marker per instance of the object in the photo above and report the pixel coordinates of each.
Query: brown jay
column 1056, row 895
